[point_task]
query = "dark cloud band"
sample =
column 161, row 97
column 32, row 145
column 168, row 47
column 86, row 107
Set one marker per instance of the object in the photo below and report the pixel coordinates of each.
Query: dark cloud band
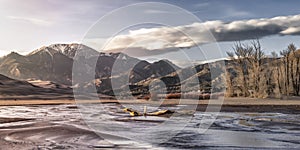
column 176, row 37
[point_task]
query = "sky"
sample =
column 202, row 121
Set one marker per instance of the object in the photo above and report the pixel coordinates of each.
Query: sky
column 26, row 26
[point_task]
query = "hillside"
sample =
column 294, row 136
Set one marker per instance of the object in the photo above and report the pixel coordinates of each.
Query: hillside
column 16, row 89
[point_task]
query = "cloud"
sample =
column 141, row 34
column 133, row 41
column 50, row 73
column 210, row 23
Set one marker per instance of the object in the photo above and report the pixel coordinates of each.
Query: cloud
column 291, row 31
column 187, row 36
column 142, row 52
column 232, row 12
column 3, row 52
column 35, row 21
column 153, row 11
column 201, row 5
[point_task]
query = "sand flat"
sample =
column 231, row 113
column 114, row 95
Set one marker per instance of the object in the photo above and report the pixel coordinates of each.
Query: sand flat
column 42, row 124
column 226, row 105
column 227, row 101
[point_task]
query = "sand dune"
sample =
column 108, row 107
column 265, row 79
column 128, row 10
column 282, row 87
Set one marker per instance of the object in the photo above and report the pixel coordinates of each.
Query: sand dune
column 47, row 127
column 11, row 89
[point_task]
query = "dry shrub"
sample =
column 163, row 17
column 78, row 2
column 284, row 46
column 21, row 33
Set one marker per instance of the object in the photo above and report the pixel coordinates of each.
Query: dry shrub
column 188, row 96
column 173, row 96
column 204, row 96
column 146, row 97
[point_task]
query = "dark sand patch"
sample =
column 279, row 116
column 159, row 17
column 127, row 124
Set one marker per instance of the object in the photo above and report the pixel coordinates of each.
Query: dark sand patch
column 9, row 120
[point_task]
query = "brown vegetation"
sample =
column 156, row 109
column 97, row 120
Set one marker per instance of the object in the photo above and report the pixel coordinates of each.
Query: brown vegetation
column 252, row 73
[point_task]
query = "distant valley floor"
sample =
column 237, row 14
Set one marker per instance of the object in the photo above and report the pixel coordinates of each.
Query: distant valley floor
column 227, row 105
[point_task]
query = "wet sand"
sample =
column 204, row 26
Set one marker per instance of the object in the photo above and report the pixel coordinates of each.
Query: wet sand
column 39, row 127
column 46, row 136
column 43, row 127
column 57, row 124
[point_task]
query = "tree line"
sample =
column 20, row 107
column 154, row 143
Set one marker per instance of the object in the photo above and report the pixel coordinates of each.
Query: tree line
column 251, row 73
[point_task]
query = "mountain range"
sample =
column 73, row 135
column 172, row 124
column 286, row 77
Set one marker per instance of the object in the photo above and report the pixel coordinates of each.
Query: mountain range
column 54, row 63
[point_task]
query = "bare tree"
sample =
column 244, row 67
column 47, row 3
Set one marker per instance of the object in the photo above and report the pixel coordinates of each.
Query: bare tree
column 239, row 55
column 277, row 71
column 255, row 59
column 286, row 67
column 229, row 81
column 297, row 75
column 294, row 68
column 285, row 54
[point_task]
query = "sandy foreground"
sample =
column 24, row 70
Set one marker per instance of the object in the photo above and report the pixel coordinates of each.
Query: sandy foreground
column 45, row 127
column 57, row 124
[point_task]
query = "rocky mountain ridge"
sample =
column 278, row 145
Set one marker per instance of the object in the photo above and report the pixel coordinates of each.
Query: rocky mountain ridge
column 54, row 63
